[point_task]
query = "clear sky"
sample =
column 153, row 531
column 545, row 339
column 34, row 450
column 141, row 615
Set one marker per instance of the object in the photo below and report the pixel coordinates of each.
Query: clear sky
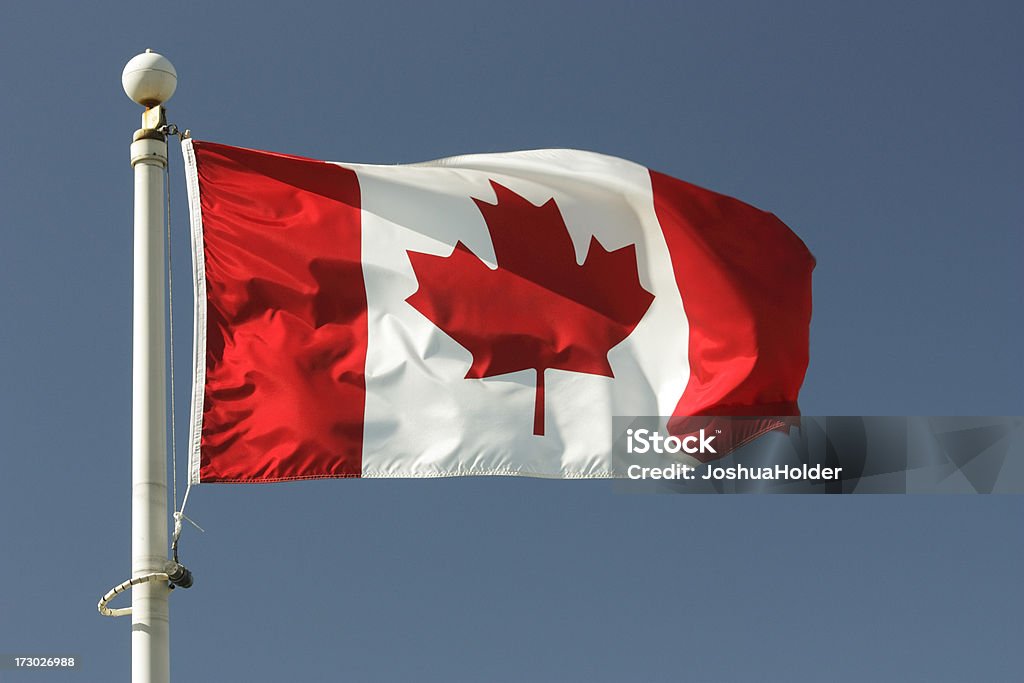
column 886, row 134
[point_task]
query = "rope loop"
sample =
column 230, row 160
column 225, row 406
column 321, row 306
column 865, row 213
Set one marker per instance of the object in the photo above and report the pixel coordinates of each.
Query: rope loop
column 121, row 588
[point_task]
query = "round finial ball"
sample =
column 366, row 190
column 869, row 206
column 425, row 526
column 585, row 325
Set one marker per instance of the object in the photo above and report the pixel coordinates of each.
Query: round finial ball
column 149, row 79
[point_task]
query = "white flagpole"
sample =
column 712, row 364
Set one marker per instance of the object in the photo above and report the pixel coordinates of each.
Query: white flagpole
column 150, row 80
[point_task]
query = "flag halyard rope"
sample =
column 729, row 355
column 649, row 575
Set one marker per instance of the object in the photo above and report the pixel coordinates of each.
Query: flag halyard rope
column 181, row 576
column 121, row 588
column 179, row 512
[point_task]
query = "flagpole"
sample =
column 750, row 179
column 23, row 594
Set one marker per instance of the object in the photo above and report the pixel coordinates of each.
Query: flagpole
column 149, row 79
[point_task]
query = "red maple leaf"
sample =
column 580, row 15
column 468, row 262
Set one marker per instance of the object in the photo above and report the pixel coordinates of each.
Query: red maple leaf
column 539, row 309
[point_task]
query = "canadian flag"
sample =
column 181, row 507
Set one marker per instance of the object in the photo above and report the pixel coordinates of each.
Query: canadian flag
column 478, row 315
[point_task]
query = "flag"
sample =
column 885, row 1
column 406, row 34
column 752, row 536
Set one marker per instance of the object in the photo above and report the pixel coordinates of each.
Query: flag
column 478, row 315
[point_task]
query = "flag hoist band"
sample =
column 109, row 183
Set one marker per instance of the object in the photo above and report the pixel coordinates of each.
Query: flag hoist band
column 477, row 315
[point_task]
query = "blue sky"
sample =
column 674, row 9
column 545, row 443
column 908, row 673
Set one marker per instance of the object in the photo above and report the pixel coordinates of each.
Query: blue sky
column 887, row 135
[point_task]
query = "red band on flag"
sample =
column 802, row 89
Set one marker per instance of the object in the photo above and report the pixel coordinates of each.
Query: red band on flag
column 745, row 281
column 286, row 317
